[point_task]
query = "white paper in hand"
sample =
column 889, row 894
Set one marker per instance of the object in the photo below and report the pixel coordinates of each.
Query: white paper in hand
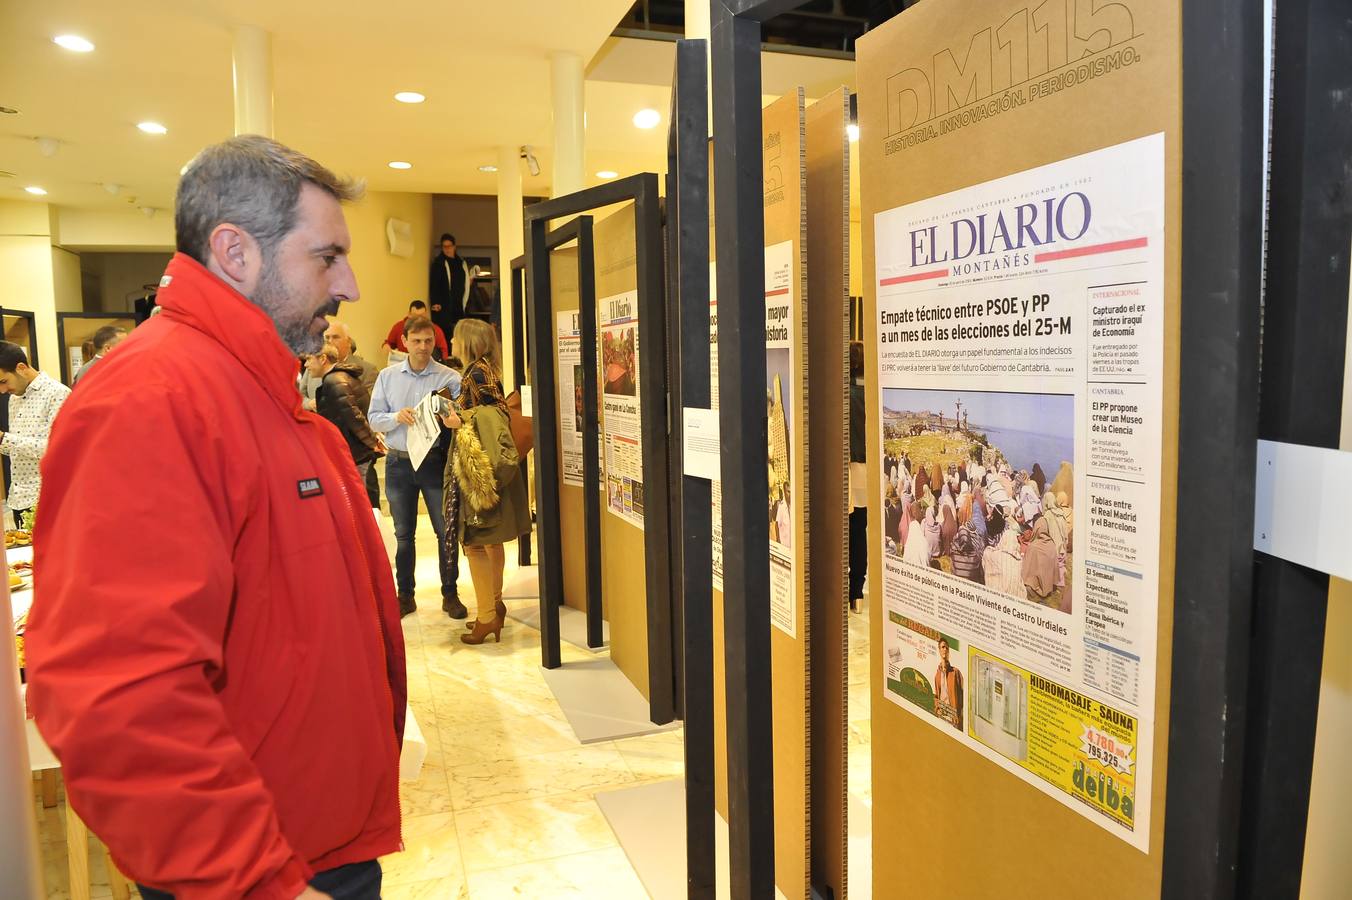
column 424, row 431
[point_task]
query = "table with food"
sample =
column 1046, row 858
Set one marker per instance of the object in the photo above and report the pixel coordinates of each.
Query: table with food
column 19, row 556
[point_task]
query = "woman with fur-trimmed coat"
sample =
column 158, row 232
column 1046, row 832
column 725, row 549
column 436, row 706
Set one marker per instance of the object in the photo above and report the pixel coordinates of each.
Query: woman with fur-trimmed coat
column 484, row 469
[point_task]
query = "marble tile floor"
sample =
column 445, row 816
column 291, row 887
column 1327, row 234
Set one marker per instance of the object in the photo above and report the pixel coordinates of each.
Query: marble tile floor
column 505, row 804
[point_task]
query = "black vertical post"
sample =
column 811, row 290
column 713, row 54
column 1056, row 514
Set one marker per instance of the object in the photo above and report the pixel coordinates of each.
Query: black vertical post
column 517, row 300
column 652, row 337
column 740, row 233
column 541, row 343
column 591, row 430
column 1222, row 255
column 1304, row 347
column 688, row 231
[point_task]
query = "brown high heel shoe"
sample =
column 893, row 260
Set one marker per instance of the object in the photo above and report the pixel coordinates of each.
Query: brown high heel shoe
column 498, row 607
column 483, row 629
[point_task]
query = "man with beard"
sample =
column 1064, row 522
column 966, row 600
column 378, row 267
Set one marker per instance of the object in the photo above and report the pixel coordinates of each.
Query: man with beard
column 227, row 697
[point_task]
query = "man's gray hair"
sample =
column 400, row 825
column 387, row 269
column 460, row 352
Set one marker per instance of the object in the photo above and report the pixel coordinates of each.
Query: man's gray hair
column 250, row 181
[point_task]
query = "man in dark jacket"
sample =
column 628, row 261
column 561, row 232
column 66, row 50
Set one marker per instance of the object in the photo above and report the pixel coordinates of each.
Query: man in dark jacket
column 447, row 286
column 343, row 399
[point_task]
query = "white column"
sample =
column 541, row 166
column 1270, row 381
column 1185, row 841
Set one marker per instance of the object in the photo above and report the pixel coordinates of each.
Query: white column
column 569, row 123
column 253, row 80
column 511, row 244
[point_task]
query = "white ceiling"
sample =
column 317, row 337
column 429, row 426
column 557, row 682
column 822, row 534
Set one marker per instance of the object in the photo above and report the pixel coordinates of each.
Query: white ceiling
column 484, row 68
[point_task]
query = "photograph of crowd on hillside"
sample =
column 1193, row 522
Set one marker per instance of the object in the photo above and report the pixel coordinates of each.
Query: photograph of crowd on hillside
column 981, row 486
column 617, row 362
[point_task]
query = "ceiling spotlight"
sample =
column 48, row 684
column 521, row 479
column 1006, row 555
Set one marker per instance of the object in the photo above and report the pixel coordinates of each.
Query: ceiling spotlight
column 647, row 118
column 853, row 131
column 112, row 188
column 36, row 191
column 488, row 168
column 400, row 164
column 73, row 42
column 48, row 146
column 8, row 111
column 606, row 173
column 148, row 211
column 409, row 97
column 152, row 128
column 528, row 154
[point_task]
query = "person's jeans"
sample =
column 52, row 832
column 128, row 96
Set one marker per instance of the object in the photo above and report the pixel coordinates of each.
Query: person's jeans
column 403, row 486
column 858, row 551
column 358, row 881
column 368, row 473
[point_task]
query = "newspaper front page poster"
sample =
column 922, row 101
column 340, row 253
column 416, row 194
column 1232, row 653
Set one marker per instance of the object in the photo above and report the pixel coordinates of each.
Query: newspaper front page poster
column 1020, row 362
column 570, row 394
column 619, row 393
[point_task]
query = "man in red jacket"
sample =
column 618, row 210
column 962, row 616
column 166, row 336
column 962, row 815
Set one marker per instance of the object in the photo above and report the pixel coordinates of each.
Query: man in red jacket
column 227, row 697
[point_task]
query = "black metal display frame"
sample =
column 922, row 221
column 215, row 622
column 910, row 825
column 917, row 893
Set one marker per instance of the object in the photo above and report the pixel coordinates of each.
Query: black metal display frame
column 580, row 230
column 1301, row 402
column 1221, row 234
column 642, row 190
column 735, row 49
column 517, row 299
column 688, row 317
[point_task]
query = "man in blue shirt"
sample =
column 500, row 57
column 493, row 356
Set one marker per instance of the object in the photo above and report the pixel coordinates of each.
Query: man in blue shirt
column 400, row 388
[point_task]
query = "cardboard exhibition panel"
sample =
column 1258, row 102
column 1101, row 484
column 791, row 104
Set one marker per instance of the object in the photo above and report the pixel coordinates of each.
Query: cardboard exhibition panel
column 623, row 587
column 1020, row 180
column 563, row 282
column 786, row 385
column 827, row 335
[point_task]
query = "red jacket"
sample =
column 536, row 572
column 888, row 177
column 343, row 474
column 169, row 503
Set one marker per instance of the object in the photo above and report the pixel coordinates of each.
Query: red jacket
column 215, row 653
column 395, row 339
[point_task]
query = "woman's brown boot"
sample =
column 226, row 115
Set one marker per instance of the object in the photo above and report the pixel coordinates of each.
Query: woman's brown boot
column 483, row 629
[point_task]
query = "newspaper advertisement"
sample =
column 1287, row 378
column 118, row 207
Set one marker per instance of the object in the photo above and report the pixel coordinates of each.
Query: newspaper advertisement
column 1020, row 363
column 570, row 395
column 619, row 392
column 781, row 387
column 781, row 375
column 717, row 490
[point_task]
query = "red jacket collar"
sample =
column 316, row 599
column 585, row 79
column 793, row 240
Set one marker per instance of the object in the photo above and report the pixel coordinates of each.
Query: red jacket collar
column 195, row 297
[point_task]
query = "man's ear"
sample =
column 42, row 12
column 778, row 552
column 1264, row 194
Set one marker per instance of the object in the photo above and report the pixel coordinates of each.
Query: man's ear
column 233, row 254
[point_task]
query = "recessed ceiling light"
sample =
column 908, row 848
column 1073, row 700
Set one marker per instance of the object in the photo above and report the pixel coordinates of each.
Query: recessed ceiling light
column 400, row 164
column 152, row 128
column 488, row 168
column 34, row 189
column 409, row 97
column 853, row 131
column 8, row 111
column 606, row 173
column 73, row 42
column 647, row 118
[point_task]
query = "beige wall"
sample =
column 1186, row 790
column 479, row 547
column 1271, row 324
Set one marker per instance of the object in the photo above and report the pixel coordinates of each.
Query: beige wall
column 116, row 279
column 27, row 279
column 1328, row 866
column 111, row 230
column 387, row 283
column 472, row 218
